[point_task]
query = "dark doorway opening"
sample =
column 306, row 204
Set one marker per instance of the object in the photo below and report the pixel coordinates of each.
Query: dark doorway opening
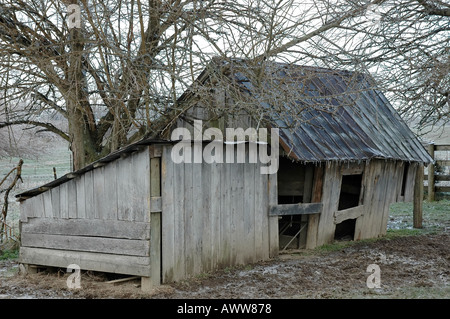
column 405, row 177
column 345, row 230
column 350, row 191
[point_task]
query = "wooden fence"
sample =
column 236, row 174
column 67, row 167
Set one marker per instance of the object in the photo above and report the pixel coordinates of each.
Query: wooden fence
column 433, row 175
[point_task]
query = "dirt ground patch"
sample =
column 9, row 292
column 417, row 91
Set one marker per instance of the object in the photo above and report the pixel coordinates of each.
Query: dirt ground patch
column 410, row 267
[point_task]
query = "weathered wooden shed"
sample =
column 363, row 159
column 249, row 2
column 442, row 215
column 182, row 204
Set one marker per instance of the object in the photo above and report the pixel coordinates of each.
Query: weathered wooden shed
column 137, row 212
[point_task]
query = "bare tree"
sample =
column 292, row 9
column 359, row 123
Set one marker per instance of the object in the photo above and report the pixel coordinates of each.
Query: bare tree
column 405, row 44
column 118, row 76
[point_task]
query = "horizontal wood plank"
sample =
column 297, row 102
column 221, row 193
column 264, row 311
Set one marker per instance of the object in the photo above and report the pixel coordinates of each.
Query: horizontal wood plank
column 88, row 227
column 129, row 247
column 442, row 147
column 295, row 209
column 350, row 213
column 438, row 178
column 443, row 162
column 443, row 189
column 129, row 265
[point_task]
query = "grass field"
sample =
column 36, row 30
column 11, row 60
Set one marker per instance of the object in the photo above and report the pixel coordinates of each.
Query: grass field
column 35, row 172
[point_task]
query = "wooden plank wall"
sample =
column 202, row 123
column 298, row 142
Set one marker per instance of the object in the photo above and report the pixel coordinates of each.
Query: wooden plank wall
column 380, row 189
column 214, row 215
column 104, row 213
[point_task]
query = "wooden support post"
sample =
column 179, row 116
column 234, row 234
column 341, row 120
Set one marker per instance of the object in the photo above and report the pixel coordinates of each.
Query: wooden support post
column 431, row 188
column 418, row 197
column 313, row 220
column 273, row 220
column 148, row 283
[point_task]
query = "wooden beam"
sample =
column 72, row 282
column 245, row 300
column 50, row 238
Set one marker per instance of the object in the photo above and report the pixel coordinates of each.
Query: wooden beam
column 442, row 147
column 313, row 220
column 295, row 209
column 443, row 162
column 431, row 189
column 418, row 197
column 127, row 265
column 350, row 213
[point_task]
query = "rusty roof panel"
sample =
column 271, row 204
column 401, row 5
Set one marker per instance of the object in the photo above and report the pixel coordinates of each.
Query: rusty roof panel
column 341, row 116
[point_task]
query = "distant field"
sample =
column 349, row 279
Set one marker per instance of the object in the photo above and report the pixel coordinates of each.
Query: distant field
column 35, row 172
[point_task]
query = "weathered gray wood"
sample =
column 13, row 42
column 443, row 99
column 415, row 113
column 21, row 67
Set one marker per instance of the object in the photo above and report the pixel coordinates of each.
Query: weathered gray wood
column 443, row 162
column 168, row 218
column 442, row 147
column 64, row 200
column 86, row 227
column 128, row 247
column 206, row 214
column 295, row 209
column 273, row 220
column 55, row 202
column 81, row 197
column 313, row 220
column 25, row 207
column 72, row 198
column 431, row 186
column 89, row 192
column 100, row 196
column 225, row 217
column 47, row 199
column 331, row 191
column 129, row 265
column 352, row 169
column 237, row 204
column 215, row 209
column 109, row 209
column 155, row 249
column 350, row 213
column 140, row 186
column 189, row 248
column 124, row 190
column 248, row 210
column 155, row 204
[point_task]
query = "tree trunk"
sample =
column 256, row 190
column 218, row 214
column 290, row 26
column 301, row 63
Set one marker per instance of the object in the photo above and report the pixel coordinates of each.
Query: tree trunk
column 80, row 117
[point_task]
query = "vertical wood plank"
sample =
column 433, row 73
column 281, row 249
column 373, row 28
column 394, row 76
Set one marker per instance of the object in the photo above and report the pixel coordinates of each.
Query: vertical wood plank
column 140, row 186
column 431, row 187
column 155, row 222
column 249, row 212
column 110, row 205
column 273, row 220
column 225, row 209
column 239, row 215
column 189, row 229
column 215, row 214
column 167, row 216
column 47, row 198
column 55, row 202
column 331, row 191
column 99, row 192
column 262, row 207
column 124, row 191
column 418, row 197
column 316, row 197
column 72, row 198
column 64, row 200
column 206, row 216
column 178, row 220
column 89, row 194
column 81, row 197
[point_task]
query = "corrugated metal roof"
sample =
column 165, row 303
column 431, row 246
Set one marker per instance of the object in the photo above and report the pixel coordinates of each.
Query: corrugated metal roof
column 336, row 116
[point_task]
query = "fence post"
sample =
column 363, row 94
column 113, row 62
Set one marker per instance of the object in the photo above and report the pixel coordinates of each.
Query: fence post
column 418, row 197
column 431, row 189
